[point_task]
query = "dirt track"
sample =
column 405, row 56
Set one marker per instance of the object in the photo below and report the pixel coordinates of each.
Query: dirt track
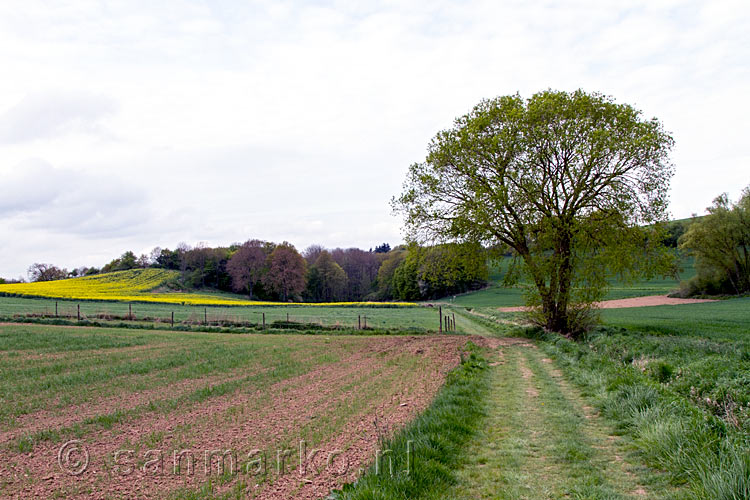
column 651, row 300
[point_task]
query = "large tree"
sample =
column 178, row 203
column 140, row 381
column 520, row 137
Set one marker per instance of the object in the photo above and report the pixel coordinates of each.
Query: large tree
column 572, row 184
column 720, row 242
column 286, row 271
column 246, row 266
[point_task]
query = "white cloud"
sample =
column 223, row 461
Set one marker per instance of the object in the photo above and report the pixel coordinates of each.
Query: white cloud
column 52, row 114
column 294, row 120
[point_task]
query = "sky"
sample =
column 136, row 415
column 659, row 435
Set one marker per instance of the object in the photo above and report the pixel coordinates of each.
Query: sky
column 133, row 124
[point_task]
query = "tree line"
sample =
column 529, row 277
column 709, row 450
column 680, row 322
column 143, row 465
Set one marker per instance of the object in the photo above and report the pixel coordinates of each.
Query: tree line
column 277, row 271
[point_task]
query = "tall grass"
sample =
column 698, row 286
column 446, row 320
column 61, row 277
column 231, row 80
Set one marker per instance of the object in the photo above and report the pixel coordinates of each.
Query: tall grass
column 695, row 447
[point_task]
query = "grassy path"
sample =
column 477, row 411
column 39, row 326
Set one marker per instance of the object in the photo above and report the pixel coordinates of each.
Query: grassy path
column 541, row 441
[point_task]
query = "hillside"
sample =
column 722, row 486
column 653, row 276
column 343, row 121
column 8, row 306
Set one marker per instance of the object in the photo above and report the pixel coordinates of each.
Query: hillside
column 136, row 285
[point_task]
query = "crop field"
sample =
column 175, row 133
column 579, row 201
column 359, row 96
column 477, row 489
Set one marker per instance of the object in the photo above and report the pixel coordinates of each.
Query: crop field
column 138, row 285
column 130, row 402
column 413, row 319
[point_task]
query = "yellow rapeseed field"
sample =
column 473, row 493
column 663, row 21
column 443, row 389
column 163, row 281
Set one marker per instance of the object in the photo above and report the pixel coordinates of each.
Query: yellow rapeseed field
column 141, row 285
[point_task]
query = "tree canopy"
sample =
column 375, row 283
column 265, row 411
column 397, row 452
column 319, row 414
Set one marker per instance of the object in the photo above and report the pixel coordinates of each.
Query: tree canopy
column 246, row 266
column 286, row 271
column 573, row 184
column 720, row 242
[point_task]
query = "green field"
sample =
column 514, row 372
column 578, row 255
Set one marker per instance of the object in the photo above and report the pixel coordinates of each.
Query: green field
column 116, row 389
column 407, row 318
column 495, row 295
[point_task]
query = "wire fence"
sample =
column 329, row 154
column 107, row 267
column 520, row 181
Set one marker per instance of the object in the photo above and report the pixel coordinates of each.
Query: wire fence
column 412, row 318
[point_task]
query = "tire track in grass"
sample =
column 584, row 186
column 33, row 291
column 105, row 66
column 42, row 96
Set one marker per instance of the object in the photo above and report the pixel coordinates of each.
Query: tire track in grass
column 542, row 441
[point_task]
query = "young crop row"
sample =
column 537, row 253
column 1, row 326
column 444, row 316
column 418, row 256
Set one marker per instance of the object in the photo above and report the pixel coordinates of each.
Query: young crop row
column 137, row 285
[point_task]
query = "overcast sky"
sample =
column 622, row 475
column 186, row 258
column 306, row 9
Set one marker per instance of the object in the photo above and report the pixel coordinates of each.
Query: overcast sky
column 127, row 125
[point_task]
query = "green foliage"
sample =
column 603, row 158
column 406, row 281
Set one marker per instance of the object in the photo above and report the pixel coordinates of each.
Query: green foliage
column 406, row 277
column 572, row 183
column 440, row 270
column 386, row 273
column 326, row 280
column 674, row 231
column 125, row 262
column 720, row 242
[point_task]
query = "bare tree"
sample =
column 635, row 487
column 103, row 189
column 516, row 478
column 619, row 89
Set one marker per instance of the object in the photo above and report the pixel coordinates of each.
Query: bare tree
column 46, row 272
column 312, row 253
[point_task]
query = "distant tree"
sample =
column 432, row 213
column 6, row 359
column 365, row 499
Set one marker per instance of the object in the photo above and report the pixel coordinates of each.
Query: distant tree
column 312, row 253
column 195, row 261
column 384, row 248
column 673, row 233
column 143, row 261
column 165, row 258
column 126, row 261
column 46, row 272
column 406, row 277
column 361, row 269
column 247, row 265
column 286, row 271
column 153, row 256
column 20, row 279
column 326, row 280
column 386, row 271
column 183, row 251
column 437, row 271
column 720, row 242
column 89, row 271
column 575, row 185
column 451, row 268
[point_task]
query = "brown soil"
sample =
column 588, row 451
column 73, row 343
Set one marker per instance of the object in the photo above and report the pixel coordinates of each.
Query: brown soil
column 651, row 300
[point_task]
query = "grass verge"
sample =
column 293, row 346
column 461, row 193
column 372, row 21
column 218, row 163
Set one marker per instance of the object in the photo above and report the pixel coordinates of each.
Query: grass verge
column 706, row 454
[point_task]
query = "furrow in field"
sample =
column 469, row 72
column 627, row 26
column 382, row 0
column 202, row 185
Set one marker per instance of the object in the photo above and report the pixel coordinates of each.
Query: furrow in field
column 263, row 414
column 381, row 416
column 66, row 417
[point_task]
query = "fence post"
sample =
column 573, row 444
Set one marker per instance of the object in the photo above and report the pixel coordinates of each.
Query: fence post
column 287, row 317
column 365, row 322
column 454, row 322
column 264, row 321
column 205, row 315
column 130, row 312
column 79, row 312
column 55, row 309
column 440, row 313
column 172, row 319
column 359, row 321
